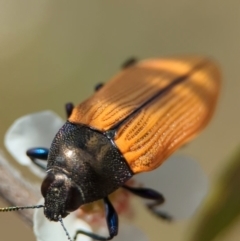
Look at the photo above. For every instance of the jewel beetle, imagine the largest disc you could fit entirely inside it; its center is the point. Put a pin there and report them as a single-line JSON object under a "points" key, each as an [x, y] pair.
{"points": [[130, 125]]}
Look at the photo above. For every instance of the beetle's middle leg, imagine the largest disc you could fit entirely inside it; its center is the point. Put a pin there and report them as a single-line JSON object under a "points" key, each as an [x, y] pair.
{"points": [[112, 223], [151, 194], [129, 62]]}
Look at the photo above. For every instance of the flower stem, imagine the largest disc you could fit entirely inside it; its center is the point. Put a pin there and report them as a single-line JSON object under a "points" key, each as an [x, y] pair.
{"points": [[16, 191]]}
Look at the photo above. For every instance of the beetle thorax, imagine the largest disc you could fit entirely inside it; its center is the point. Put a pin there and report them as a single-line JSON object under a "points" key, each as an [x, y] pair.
{"points": [[90, 160]]}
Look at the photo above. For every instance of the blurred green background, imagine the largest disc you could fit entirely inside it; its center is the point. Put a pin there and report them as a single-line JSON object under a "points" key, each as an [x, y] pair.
{"points": [[53, 52]]}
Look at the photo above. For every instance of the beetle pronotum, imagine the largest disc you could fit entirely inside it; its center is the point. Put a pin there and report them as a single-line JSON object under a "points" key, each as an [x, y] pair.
{"points": [[130, 125]]}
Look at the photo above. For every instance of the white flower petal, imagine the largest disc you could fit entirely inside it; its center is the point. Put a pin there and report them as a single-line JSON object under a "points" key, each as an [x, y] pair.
{"points": [[129, 232], [126, 232], [46, 230], [182, 182], [34, 130]]}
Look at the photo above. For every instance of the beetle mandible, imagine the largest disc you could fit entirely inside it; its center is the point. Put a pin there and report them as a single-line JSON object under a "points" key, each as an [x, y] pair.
{"points": [[130, 125]]}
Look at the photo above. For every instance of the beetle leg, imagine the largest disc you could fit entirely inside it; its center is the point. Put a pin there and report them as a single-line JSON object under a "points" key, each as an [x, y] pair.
{"points": [[69, 108], [129, 62], [152, 195], [126, 64], [40, 153], [112, 223], [98, 86]]}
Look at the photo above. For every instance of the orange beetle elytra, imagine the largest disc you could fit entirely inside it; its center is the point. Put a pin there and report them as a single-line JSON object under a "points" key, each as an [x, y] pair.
{"points": [[154, 107]]}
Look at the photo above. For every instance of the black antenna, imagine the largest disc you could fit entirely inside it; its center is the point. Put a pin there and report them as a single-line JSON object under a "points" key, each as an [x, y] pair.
{"points": [[61, 221], [17, 208]]}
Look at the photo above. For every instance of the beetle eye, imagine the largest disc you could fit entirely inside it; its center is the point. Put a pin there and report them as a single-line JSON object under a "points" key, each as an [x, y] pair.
{"points": [[74, 199], [46, 183]]}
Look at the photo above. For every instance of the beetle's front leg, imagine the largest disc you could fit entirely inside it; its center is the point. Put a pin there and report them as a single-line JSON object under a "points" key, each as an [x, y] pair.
{"points": [[112, 223], [40, 153], [69, 108], [152, 195]]}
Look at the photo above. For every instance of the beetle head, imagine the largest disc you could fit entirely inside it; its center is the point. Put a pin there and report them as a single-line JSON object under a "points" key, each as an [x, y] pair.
{"points": [[61, 195]]}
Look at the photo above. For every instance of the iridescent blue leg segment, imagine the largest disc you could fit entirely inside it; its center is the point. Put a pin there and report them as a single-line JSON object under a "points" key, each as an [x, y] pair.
{"points": [[39, 153], [151, 194], [112, 223]]}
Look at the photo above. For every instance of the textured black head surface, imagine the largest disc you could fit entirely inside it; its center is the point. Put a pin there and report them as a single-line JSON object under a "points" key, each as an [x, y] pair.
{"points": [[89, 159]]}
